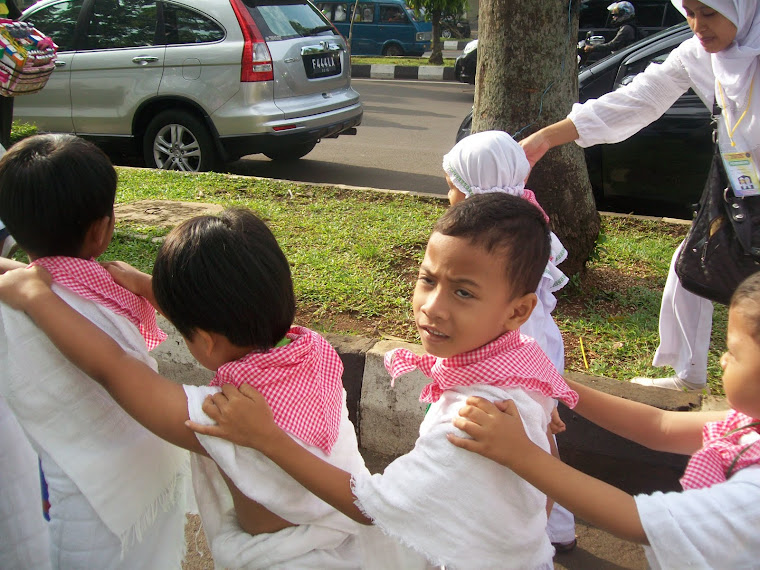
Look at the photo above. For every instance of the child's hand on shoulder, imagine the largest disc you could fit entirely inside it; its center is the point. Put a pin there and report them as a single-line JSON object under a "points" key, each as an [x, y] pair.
{"points": [[242, 417], [556, 425], [496, 430], [129, 277], [20, 288]]}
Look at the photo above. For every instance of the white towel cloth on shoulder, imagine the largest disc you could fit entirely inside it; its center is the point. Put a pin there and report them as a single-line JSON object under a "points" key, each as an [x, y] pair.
{"points": [[421, 497], [325, 538], [126, 473]]}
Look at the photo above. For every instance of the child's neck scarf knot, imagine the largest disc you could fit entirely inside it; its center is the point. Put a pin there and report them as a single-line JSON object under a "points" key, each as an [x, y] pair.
{"points": [[510, 360]]}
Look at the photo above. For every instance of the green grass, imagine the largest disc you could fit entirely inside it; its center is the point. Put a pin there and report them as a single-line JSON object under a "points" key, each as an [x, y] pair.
{"points": [[405, 61], [619, 302], [354, 258]]}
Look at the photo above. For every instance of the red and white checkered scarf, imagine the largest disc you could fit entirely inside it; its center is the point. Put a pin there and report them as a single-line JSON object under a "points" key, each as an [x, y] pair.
{"points": [[88, 279], [510, 360], [728, 446], [300, 381]]}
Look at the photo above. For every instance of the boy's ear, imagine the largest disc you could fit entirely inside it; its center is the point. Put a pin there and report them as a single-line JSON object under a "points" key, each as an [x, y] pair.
{"points": [[207, 341], [98, 235], [520, 310]]}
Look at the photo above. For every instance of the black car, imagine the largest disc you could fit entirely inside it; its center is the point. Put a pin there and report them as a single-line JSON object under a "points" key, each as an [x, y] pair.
{"points": [[455, 27], [594, 20], [665, 162]]}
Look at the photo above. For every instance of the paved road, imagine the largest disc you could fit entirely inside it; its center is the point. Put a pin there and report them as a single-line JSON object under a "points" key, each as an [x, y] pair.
{"points": [[407, 128]]}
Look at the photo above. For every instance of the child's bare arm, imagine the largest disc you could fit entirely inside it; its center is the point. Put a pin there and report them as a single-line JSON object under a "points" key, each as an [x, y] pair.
{"points": [[674, 432], [9, 265], [244, 418], [154, 401], [132, 279], [498, 434]]}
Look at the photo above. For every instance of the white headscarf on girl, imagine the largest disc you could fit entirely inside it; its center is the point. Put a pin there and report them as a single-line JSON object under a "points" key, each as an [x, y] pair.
{"points": [[735, 66], [490, 161]]}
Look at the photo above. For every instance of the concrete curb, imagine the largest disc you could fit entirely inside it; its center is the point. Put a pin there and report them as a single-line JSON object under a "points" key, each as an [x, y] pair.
{"points": [[387, 419], [387, 71]]}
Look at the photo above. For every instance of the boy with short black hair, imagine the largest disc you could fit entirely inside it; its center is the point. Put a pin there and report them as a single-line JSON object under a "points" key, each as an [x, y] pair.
{"points": [[475, 288], [116, 490]]}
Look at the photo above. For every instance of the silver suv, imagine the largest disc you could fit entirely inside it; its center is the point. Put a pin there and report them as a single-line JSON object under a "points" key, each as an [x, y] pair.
{"points": [[192, 83]]}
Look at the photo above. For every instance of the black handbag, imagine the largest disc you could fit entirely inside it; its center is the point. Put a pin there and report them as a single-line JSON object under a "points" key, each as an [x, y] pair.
{"points": [[722, 247]]}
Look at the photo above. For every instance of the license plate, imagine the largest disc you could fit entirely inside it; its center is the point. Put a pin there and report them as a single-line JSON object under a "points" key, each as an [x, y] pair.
{"points": [[322, 65]]}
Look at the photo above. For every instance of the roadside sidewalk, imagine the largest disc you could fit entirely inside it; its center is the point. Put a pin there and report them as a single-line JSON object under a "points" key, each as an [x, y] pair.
{"points": [[418, 72]]}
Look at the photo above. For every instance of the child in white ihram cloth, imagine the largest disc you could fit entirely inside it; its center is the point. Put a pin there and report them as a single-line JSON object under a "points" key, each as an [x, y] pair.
{"points": [[492, 161], [475, 289], [117, 492]]}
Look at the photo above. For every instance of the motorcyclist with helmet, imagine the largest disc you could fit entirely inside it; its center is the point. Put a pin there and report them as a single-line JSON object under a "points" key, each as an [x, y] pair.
{"points": [[623, 16]]}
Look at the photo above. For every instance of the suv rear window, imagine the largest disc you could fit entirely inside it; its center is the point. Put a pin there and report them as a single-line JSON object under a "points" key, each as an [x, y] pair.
{"points": [[278, 20]]}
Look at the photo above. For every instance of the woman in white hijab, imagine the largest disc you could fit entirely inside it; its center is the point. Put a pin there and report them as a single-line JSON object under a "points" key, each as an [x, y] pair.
{"points": [[721, 64]]}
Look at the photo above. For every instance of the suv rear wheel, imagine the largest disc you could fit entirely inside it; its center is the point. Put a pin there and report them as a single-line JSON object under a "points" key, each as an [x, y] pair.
{"points": [[293, 152], [176, 140]]}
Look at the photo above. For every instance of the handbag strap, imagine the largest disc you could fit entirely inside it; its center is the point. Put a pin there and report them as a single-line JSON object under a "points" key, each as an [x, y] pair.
{"points": [[736, 207]]}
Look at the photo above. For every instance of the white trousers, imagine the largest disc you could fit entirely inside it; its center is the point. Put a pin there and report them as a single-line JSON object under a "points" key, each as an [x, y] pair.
{"points": [[24, 542], [685, 325]]}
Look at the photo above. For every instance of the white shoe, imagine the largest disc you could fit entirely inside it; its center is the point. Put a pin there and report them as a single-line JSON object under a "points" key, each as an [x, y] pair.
{"points": [[669, 382], [8, 247]]}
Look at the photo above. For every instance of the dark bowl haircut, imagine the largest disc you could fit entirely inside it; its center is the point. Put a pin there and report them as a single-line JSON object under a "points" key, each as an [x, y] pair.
{"points": [[52, 189], [505, 224], [225, 274]]}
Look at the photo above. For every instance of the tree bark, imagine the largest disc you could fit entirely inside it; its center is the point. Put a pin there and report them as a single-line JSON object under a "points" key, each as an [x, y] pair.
{"points": [[527, 78], [436, 50]]}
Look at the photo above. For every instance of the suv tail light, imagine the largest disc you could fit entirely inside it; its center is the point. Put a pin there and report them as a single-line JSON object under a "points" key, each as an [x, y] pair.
{"points": [[257, 61]]}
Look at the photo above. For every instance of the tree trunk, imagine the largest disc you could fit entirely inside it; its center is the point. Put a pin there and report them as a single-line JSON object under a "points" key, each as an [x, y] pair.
{"points": [[436, 53], [527, 78]]}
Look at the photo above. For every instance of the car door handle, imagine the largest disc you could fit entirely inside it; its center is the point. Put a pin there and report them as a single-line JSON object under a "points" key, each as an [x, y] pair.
{"points": [[144, 59], [59, 63]]}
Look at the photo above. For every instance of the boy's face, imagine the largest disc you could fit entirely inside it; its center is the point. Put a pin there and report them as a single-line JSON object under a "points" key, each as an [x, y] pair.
{"points": [[741, 363], [462, 299]]}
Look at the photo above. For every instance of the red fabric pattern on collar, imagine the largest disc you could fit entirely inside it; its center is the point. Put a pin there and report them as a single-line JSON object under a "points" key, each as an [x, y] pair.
{"points": [[88, 279], [510, 360], [301, 382], [723, 452]]}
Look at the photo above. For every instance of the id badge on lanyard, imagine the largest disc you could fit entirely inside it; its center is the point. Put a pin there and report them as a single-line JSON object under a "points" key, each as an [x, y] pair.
{"points": [[741, 171], [740, 165]]}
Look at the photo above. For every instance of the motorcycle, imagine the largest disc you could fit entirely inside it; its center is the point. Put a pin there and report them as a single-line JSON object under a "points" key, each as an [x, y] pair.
{"points": [[589, 40]]}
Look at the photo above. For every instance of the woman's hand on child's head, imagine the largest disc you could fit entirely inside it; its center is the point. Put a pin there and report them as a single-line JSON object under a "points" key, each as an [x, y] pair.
{"points": [[20, 287], [242, 417], [128, 277], [496, 429], [535, 148], [556, 425]]}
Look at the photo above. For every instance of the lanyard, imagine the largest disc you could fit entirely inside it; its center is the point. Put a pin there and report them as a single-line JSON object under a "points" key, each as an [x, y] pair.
{"points": [[744, 114]]}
